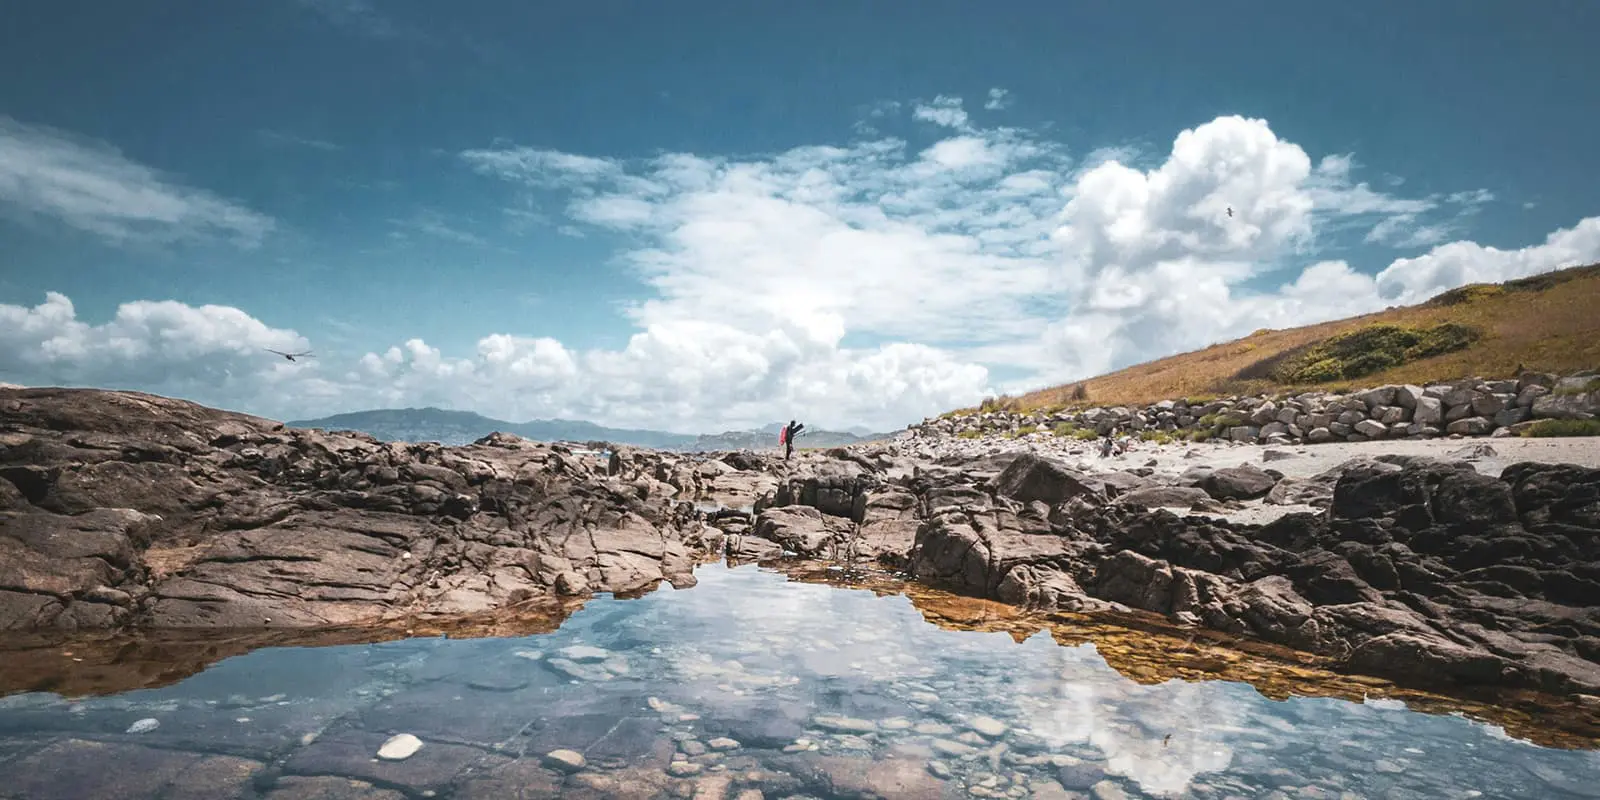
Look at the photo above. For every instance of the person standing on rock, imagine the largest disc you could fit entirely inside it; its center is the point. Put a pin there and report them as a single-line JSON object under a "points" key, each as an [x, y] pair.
{"points": [[786, 438]]}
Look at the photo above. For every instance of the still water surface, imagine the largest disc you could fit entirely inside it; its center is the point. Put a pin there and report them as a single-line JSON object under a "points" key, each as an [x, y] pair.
{"points": [[748, 685]]}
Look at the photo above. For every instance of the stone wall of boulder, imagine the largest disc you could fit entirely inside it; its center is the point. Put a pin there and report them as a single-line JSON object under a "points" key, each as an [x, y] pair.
{"points": [[1468, 407]]}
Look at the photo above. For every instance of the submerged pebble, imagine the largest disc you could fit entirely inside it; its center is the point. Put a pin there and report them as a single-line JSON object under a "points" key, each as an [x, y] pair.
{"points": [[565, 760], [400, 747], [145, 725]]}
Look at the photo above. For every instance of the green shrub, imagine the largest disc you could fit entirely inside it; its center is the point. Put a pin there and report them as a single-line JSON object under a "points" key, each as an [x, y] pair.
{"points": [[1371, 349], [970, 434], [1025, 430], [1563, 427]]}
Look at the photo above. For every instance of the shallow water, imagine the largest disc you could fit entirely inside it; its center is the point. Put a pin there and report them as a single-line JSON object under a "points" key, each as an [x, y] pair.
{"points": [[748, 681]]}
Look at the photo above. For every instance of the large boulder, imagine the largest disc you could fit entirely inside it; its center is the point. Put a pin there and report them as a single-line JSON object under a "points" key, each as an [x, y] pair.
{"points": [[1030, 477], [1238, 483]]}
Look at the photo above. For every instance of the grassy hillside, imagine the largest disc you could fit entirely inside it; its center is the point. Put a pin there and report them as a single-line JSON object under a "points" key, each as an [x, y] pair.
{"points": [[1548, 322]]}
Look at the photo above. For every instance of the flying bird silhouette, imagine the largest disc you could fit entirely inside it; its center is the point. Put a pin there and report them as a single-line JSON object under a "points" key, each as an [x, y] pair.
{"points": [[1230, 211], [290, 356]]}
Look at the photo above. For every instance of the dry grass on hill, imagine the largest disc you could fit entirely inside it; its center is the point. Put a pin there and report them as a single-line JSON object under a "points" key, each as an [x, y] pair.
{"points": [[1548, 322]]}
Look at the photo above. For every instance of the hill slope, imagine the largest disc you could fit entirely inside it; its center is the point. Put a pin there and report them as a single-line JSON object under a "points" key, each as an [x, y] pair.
{"points": [[1548, 322]]}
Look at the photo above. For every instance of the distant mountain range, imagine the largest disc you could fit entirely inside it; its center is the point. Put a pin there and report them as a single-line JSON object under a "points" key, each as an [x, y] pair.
{"points": [[465, 427]]}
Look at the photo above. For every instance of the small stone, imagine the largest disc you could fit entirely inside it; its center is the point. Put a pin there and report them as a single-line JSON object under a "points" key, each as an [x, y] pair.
{"points": [[841, 724], [683, 769], [988, 727], [692, 747], [1385, 765], [400, 747], [723, 743], [933, 729], [564, 760], [145, 725], [949, 748], [939, 769]]}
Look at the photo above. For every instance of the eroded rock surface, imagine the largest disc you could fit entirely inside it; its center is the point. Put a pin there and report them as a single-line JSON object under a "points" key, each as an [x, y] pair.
{"points": [[128, 509]]}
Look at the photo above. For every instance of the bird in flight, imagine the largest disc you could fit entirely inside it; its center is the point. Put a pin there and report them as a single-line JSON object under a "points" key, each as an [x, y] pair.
{"points": [[1230, 211], [290, 356]]}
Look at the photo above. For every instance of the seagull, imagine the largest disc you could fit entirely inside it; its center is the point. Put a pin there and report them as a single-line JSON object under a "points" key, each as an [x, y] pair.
{"points": [[1230, 211], [290, 356]]}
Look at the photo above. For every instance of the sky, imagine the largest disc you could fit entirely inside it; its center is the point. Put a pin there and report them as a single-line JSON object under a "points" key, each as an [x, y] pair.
{"points": [[702, 216]]}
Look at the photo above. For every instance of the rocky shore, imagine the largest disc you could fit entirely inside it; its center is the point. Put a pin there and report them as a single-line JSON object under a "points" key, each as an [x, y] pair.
{"points": [[1466, 407], [125, 511]]}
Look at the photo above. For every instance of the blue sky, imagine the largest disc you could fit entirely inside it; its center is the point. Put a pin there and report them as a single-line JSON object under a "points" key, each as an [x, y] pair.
{"points": [[701, 215]]}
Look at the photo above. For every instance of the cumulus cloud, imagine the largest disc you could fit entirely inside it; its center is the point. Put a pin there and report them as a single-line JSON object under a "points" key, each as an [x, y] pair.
{"points": [[998, 99], [90, 186], [870, 282]]}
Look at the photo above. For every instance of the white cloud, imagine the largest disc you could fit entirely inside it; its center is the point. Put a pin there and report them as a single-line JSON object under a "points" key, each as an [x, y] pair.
{"points": [[998, 99], [92, 187], [870, 282], [943, 110]]}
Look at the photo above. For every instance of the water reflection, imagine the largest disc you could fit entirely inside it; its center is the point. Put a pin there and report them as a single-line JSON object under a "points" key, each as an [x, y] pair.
{"points": [[755, 682]]}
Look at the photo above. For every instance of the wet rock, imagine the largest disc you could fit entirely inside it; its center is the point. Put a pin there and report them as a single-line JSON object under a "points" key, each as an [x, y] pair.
{"points": [[988, 727], [842, 724], [145, 725]]}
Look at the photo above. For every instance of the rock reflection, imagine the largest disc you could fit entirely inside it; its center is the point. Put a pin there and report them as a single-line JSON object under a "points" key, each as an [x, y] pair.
{"points": [[752, 681]]}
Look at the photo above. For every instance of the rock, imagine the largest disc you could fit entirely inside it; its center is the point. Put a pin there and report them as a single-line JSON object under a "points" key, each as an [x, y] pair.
{"points": [[188, 515], [1428, 411], [1165, 497], [145, 725], [568, 761], [842, 724], [1238, 483], [399, 747], [988, 727], [1031, 477], [1372, 429], [1470, 426]]}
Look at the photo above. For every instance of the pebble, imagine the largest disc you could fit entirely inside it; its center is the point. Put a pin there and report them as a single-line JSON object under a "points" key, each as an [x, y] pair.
{"points": [[723, 743], [145, 725], [691, 747], [949, 748], [400, 747], [565, 760], [841, 724], [894, 724], [939, 769], [989, 727], [933, 729], [683, 769], [1385, 765]]}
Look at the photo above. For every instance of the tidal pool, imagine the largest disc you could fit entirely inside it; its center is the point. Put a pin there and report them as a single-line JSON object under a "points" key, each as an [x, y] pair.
{"points": [[752, 685]]}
